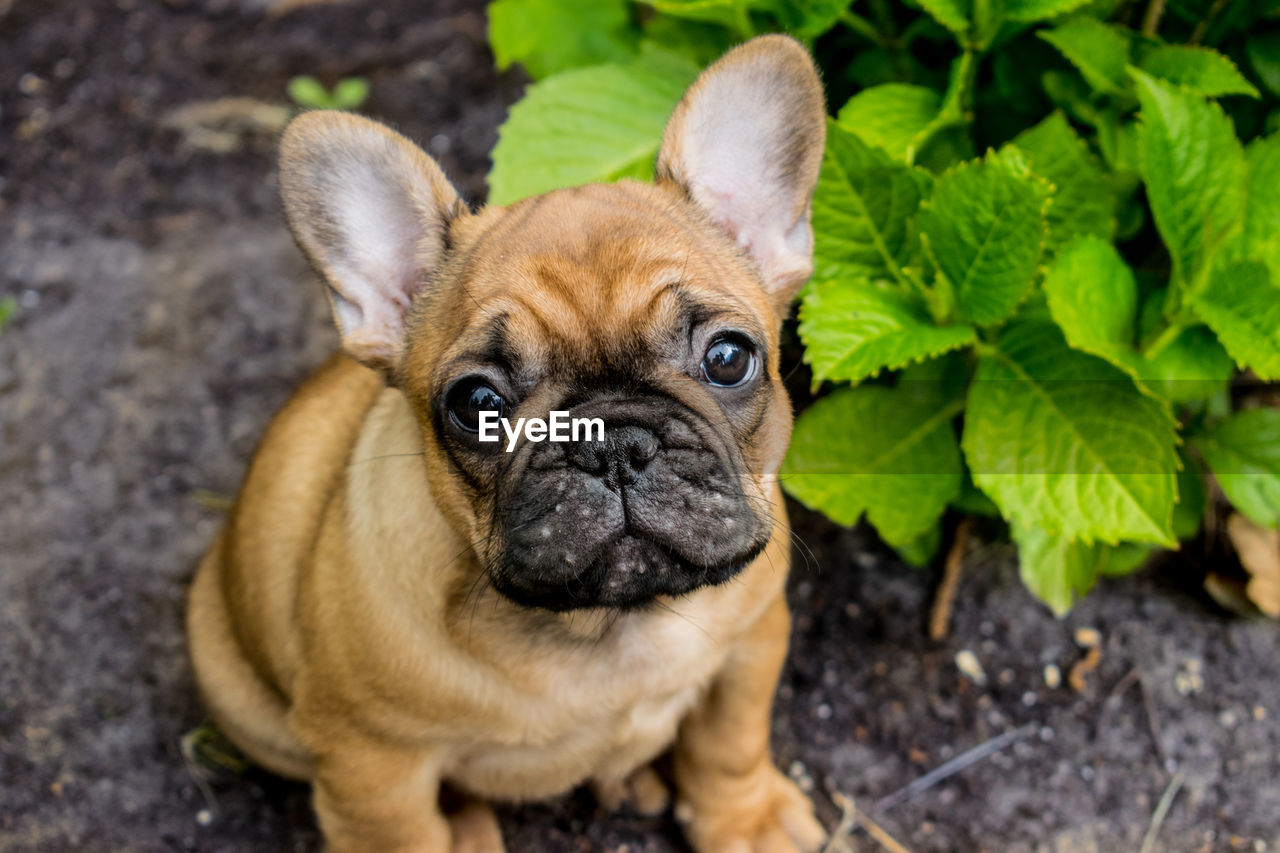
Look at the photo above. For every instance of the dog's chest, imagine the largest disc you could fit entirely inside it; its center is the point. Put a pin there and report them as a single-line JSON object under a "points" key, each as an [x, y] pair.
{"points": [[598, 714]]}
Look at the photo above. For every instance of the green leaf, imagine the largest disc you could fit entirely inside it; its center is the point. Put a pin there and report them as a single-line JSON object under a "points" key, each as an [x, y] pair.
{"points": [[855, 329], [1243, 451], [1199, 69], [1188, 515], [921, 550], [1264, 55], [701, 42], [307, 91], [1260, 237], [1027, 11], [8, 307], [876, 450], [1082, 198], [901, 118], [985, 226], [1193, 367], [862, 207], [1123, 559], [1193, 167], [1064, 442], [952, 14], [590, 124], [893, 116], [1056, 570], [972, 501], [734, 14], [807, 18], [550, 36], [803, 18], [1242, 305], [1098, 51], [350, 93], [1094, 299]]}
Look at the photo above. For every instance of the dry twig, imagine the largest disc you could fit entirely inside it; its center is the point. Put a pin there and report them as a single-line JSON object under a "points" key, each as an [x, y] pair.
{"points": [[940, 616], [1161, 812], [860, 818]]}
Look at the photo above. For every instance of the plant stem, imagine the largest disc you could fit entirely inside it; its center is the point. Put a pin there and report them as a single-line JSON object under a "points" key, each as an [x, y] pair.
{"points": [[1180, 324], [1203, 26], [862, 27], [1151, 20]]}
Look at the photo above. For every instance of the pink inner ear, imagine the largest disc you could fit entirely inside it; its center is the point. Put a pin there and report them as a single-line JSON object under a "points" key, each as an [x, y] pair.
{"points": [[733, 139], [376, 269], [782, 250]]}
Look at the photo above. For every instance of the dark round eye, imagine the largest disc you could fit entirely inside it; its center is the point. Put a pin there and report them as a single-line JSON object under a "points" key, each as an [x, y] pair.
{"points": [[468, 399], [729, 362]]}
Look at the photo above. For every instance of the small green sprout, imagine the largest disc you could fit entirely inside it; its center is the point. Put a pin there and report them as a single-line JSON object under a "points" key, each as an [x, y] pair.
{"points": [[309, 93]]}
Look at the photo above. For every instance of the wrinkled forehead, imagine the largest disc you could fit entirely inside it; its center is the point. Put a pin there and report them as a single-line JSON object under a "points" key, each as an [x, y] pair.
{"points": [[601, 273]]}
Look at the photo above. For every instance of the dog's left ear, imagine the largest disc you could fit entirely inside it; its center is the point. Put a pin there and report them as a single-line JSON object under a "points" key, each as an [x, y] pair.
{"points": [[746, 144]]}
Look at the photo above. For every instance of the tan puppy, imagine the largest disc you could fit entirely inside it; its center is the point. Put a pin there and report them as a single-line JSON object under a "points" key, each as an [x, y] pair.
{"points": [[396, 604]]}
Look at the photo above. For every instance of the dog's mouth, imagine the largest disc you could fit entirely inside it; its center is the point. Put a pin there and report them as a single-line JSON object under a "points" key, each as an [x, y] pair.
{"points": [[630, 572]]}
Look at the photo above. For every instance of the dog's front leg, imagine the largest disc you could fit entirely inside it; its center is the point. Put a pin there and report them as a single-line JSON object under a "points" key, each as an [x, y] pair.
{"points": [[730, 795], [371, 796]]}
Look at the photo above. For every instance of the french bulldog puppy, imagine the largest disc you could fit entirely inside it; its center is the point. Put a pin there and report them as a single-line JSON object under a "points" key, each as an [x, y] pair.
{"points": [[395, 605]]}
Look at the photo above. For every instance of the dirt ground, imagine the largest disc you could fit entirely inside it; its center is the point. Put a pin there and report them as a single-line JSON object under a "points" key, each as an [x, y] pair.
{"points": [[164, 313]]}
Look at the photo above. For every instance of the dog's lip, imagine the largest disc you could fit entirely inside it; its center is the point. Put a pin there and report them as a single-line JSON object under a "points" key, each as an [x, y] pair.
{"points": [[560, 597]]}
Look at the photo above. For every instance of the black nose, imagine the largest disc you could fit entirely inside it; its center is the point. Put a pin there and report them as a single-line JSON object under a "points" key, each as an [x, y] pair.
{"points": [[626, 450]]}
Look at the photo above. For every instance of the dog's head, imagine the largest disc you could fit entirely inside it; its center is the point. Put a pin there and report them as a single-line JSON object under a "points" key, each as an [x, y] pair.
{"points": [[648, 315]]}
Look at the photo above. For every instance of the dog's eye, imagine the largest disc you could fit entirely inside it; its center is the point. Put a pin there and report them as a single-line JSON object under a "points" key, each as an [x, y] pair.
{"points": [[468, 399], [729, 362]]}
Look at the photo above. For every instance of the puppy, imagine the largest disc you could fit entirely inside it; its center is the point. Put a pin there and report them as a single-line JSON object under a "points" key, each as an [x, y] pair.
{"points": [[396, 605]]}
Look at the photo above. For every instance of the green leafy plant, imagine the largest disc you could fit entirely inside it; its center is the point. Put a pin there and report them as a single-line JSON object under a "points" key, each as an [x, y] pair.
{"points": [[349, 93], [8, 307], [1047, 246]]}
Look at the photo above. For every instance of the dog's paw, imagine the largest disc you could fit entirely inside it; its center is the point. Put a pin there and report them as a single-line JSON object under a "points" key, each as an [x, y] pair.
{"points": [[643, 791], [474, 829], [769, 814]]}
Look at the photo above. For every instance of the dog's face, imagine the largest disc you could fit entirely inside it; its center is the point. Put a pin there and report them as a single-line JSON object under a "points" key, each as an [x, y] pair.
{"points": [[648, 315]]}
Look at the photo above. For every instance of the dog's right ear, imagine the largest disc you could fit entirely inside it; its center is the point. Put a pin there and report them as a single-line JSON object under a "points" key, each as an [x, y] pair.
{"points": [[745, 144], [370, 209]]}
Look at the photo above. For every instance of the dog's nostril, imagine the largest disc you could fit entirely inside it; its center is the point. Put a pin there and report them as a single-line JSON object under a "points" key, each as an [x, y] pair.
{"points": [[588, 457], [626, 450], [643, 450]]}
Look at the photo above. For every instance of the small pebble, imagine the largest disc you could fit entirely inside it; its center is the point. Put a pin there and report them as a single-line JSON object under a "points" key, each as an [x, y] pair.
{"points": [[1259, 713], [204, 817], [1187, 680], [1046, 734], [824, 712], [967, 663], [1052, 676], [30, 84], [1029, 698], [1088, 637], [1227, 719]]}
